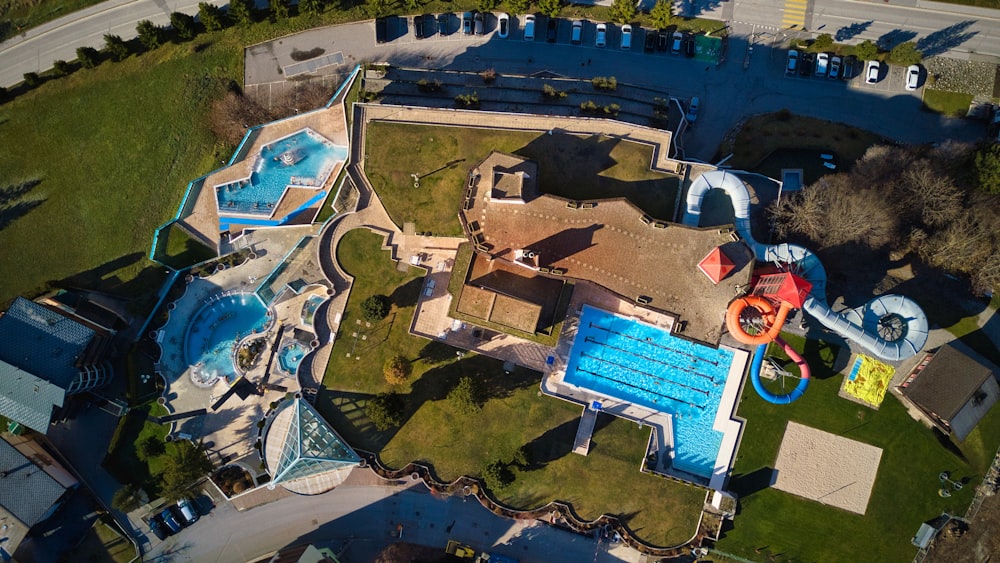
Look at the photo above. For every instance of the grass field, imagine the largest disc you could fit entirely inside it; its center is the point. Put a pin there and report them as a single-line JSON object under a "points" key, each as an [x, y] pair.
{"points": [[659, 511], [905, 492], [569, 166], [125, 463], [952, 104], [102, 543]]}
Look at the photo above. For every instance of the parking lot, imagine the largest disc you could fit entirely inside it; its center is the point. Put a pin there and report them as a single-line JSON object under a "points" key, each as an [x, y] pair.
{"points": [[891, 78]]}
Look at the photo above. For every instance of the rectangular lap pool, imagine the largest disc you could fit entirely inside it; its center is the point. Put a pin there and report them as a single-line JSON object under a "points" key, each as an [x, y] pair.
{"points": [[644, 365]]}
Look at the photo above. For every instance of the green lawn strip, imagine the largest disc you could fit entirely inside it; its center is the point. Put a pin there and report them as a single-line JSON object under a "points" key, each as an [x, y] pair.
{"points": [[905, 491], [665, 512], [763, 134], [102, 543], [181, 249], [952, 104], [124, 461], [570, 166], [22, 15]]}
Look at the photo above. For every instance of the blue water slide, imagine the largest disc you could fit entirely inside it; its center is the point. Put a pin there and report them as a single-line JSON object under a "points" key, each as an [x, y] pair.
{"points": [[890, 327]]}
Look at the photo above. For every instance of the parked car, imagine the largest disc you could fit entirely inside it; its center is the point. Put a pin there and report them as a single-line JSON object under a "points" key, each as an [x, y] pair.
{"points": [[872, 71], [381, 30], [187, 510], [662, 40], [602, 35], [467, 23], [822, 64], [692, 114], [626, 36], [529, 27], [806, 62], [503, 26], [479, 23], [689, 46], [551, 30], [791, 62], [678, 42], [418, 27], [170, 520], [912, 77], [834, 68], [850, 67], [650, 40], [158, 528], [443, 20], [577, 35]]}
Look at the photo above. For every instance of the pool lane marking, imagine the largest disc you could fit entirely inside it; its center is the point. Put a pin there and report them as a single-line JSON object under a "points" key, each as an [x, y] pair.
{"points": [[592, 340], [650, 342], [669, 397], [646, 373]]}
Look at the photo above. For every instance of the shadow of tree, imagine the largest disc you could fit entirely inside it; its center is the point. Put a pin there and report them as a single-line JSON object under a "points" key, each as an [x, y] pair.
{"points": [[12, 203], [892, 38], [406, 295], [852, 31], [556, 443], [435, 352], [141, 288], [945, 39]]}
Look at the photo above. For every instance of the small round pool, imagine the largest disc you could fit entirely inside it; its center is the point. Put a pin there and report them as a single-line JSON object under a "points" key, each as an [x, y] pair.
{"points": [[214, 332], [291, 356]]}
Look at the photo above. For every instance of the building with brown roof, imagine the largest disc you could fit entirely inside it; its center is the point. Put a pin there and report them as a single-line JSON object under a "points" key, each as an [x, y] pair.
{"points": [[610, 242], [951, 390]]}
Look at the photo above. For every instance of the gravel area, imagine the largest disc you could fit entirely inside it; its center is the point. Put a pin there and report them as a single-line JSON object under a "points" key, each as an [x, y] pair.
{"points": [[826, 468], [968, 77]]}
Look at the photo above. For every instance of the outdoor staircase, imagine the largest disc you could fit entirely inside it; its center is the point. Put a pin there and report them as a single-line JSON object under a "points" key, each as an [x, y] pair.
{"points": [[581, 445]]}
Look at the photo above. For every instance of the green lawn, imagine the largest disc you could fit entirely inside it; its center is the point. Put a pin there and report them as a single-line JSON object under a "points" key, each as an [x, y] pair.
{"points": [[660, 511], [21, 15], [569, 166], [952, 104], [103, 543], [905, 491], [125, 462]]}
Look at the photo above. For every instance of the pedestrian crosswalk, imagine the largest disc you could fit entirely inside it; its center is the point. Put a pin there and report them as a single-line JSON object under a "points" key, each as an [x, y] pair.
{"points": [[795, 14]]}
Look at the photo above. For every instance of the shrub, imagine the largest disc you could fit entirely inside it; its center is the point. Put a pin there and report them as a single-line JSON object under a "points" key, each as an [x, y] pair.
{"points": [[823, 42], [622, 11], [62, 67], [602, 83], [151, 447], [487, 5], [497, 476], [549, 8], [183, 26], [212, 17], [517, 7], [464, 398], [988, 169], [31, 79], [150, 34], [385, 411], [127, 498], [115, 47], [488, 75], [588, 106], [278, 9], [866, 50], [468, 100], [905, 54], [241, 11], [397, 370], [88, 57], [661, 14], [375, 308], [313, 7]]}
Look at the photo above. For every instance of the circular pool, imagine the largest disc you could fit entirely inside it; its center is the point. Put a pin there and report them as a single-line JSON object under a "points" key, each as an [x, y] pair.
{"points": [[291, 356], [215, 330]]}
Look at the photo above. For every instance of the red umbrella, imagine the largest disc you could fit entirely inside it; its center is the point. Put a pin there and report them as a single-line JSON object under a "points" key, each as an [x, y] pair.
{"points": [[716, 265]]}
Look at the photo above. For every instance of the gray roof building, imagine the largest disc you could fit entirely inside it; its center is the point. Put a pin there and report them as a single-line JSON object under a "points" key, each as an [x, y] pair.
{"points": [[28, 495], [44, 356]]}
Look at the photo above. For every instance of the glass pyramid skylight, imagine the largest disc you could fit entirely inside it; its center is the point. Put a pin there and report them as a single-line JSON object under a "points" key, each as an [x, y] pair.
{"points": [[310, 446]]}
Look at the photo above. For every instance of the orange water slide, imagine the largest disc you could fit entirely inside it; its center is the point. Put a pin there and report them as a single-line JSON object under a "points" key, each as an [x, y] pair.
{"points": [[773, 320]]}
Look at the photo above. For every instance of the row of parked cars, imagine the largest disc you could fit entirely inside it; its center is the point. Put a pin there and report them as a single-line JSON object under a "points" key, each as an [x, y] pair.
{"points": [[172, 519], [834, 67]]}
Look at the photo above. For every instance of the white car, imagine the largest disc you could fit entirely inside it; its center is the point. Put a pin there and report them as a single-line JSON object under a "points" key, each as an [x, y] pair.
{"points": [[602, 35], [626, 36], [503, 26], [912, 77], [692, 113], [822, 64], [871, 72], [529, 27]]}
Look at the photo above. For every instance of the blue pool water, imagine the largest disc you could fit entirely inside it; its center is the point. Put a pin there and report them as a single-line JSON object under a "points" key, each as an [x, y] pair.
{"points": [[311, 159], [217, 327], [644, 365], [309, 309], [291, 356]]}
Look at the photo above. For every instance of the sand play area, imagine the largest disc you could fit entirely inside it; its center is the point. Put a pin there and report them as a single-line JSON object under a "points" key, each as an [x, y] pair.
{"points": [[826, 468]]}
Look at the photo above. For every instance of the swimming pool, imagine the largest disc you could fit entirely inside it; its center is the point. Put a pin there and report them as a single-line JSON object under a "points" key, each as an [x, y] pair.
{"points": [[303, 159], [644, 365], [214, 331], [291, 356], [309, 309]]}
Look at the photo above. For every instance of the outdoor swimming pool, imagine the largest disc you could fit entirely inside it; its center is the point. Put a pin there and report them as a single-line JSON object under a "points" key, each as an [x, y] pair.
{"points": [[291, 356], [303, 159], [644, 365], [214, 331], [309, 309]]}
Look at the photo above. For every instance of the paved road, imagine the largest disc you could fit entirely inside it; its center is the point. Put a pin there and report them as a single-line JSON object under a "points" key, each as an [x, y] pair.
{"points": [[374, 514], [940, 28]]}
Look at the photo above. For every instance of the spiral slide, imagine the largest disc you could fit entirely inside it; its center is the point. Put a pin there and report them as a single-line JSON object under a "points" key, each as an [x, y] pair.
{"points": [[890, 327], [758, 360]]}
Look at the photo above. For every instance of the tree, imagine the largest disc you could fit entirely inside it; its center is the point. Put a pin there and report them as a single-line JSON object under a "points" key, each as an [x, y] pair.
{"points": [[397, 370], [497, 476], [151, 447], [241, 11], [183, 26], [211, 16], [375, 8], [988, 169], [115, 47], [186, 464], [823, 42], [62, 67], [622, 11], [150, 34], [517, 7], [375, 308], [487, 5], [661, 13], [31, 79], [464, 398], [905, 54], [127, 498], [88, 57], [866, 50], [279, 9], [314, 7], [385, 411], [549, 8]]}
